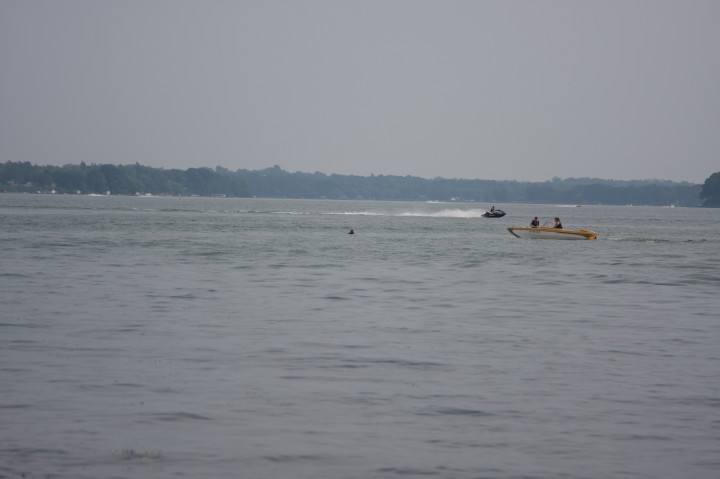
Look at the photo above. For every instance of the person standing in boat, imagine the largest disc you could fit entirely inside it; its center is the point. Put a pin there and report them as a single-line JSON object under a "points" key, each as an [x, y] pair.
{"points": [[535, 223], [557, 223]]}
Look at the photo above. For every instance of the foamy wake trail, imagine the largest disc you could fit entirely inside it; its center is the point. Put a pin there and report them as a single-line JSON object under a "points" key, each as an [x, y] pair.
{"points": [[430, 214], [447, 214], [360, 213]]}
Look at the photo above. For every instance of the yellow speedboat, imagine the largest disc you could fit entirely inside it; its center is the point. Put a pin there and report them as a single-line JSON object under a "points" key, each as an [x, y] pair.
{"points": [[551, 233]]}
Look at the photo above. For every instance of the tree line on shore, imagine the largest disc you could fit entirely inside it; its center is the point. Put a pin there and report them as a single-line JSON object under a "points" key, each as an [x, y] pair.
{"points": [[136, 179]]}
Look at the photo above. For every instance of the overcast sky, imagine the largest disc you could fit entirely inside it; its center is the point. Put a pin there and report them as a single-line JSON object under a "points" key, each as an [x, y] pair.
{"points": [[506, 90]]}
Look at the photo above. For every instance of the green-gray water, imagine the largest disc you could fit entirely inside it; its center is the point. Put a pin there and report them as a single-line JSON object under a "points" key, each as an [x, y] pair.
{"points": [[215, 338]]}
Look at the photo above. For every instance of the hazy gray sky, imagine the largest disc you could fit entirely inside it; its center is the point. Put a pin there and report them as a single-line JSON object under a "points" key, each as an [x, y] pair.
{"points": [[505, 89]]}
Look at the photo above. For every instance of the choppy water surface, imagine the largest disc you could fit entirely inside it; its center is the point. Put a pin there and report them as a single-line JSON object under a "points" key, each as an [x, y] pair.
{"points": [[216, 338]]}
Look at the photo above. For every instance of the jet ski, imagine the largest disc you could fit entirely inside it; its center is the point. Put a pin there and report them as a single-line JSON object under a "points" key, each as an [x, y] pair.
{"points": [[494, 214]]}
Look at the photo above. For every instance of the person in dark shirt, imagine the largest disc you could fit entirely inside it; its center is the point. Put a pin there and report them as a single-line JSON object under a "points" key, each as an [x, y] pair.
{"points": [[535, 222], [558, 224]]}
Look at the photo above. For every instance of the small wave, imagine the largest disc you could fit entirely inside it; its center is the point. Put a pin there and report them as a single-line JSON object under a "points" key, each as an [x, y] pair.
{"points": [[451, 411], [645, 437], [335, 298], [128, 454], [181, 296], [320, 265], [294, 458], [180, 416], [641, 240], [18, 325], [27, 452], [404, 471], [707, 401], [406, 363], [629, 353]]}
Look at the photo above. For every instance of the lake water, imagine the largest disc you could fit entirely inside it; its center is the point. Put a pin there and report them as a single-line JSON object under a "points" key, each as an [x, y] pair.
{"points": [[255, 338]]}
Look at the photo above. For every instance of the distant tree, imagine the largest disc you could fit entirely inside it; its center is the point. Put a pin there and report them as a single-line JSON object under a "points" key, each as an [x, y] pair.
{"points": [[69, 179], [711, 191], [95, 180], [277, 183], [541, 193], [121, 180], [18, 173]]}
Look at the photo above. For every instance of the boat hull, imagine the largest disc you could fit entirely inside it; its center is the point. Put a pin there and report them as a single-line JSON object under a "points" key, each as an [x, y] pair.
{"points": [[551, 233]]}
